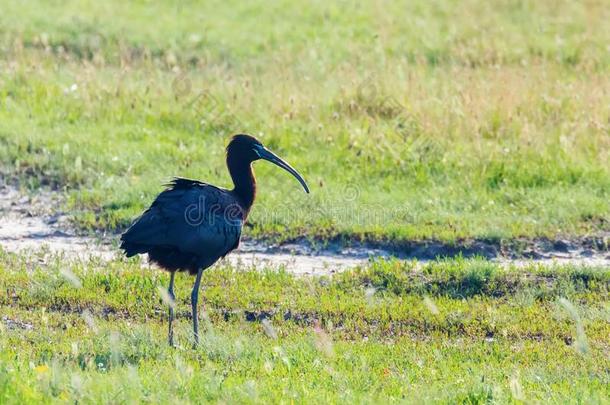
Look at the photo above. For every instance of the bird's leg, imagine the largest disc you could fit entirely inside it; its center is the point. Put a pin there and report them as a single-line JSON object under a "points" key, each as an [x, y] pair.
{"points": [[170, 292], [194, 299]]}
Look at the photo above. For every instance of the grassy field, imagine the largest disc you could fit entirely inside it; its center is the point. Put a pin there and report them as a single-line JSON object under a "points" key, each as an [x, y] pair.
{"points": [[444, 120], [453, 332]]}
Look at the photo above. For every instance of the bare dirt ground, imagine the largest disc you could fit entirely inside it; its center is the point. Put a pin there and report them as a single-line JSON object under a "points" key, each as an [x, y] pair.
{"points": [[34, 223]]}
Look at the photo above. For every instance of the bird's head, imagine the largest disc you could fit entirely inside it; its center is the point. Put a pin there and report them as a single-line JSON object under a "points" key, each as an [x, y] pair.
{"points": [[248, 148]]}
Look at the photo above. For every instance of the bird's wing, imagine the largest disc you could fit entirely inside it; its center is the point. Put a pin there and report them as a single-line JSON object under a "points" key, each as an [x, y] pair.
{"points": [[191, 216]]}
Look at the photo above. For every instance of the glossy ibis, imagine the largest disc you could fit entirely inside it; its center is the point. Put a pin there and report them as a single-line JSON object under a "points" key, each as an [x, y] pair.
{"points": [[192, 224]]}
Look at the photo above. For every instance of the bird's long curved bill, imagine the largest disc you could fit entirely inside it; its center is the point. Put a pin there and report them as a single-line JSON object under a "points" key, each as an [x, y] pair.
{"points": [[273, 158]]}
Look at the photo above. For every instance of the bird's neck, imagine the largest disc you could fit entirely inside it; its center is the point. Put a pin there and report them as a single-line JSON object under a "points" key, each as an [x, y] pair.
{"points": [[243, 180]]}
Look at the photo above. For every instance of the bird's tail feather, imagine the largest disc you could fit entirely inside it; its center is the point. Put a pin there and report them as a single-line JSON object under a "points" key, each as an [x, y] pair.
{"points": [[132, 249]]}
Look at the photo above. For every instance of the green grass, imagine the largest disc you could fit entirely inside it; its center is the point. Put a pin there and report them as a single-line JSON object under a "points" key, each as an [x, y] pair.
{"points": [[463, 331], [441, 120]]}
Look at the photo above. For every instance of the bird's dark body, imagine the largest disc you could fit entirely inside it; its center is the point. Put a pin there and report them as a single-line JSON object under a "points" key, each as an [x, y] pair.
{"points": [[189, 226]]}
